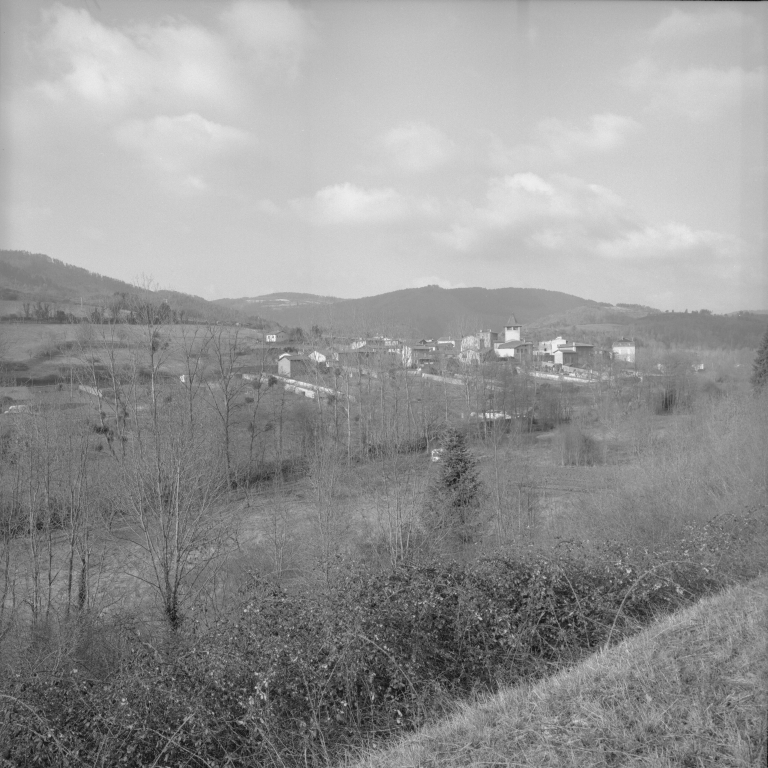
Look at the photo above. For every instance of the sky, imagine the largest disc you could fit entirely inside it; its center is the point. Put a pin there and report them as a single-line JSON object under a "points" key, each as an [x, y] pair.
{"points": [[612, 150]]}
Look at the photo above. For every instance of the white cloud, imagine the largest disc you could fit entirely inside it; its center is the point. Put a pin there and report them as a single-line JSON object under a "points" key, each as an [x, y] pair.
{"points": [[584, 238], [569, 216], [704, 93], [606, 132], [671, 239], [699, 93], [179, 146], [417, 147], [557, 141], [273, 33], [350, 204], [175, 64], [168, 64], [680, 24], [529, 209]]}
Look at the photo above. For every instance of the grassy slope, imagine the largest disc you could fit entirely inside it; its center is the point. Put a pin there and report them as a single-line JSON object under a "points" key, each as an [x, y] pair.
{"points": [[691, 690]]}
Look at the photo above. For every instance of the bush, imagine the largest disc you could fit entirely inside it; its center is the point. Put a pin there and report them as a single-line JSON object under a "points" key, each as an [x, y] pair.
{"points": [[295, 679], [578, 449]]}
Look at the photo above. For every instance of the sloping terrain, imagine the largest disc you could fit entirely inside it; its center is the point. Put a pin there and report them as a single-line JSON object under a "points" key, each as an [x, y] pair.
{"points": [[430, 311], [690, 690], [34, 277], [702, 329], [276, 301]]}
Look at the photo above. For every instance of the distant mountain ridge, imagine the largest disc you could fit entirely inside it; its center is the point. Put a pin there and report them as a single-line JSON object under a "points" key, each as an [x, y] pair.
{"points": [[409, 313], [429, 311]]}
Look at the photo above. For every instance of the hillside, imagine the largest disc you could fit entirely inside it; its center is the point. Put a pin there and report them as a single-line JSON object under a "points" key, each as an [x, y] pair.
{"points": [[35, 277], [429, 311], [702, 329], [691, 330], [691, 689], [276, 301]]}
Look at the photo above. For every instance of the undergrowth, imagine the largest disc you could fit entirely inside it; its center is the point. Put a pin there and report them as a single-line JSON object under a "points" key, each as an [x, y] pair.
{"points": [[297, 678]]}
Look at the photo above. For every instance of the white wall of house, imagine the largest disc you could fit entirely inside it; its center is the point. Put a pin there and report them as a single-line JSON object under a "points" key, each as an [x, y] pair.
{"points": [[564, 356], [553, 344], [624, 352]]}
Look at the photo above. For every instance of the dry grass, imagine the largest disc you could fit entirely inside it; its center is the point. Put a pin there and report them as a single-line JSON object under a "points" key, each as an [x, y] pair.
{"points": [[691, 690]]}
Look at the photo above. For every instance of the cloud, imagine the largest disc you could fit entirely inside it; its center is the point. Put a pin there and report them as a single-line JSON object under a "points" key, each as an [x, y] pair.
{"points": [[680, 24], [417, 147], [605, 133], [584, 238], [698, 93], [273, 34], [350, 204], [704, 93], [179, 145], [570, 216], [176, 64], [651, 242], [170, 64], [557, 141], [529, 209]]}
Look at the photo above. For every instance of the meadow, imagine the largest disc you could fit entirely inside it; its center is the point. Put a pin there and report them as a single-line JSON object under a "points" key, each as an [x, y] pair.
{"points": [[200, 567]]}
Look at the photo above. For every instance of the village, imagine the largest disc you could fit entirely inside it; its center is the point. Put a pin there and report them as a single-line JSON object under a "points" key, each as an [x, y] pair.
{"points": [[443, 359]]}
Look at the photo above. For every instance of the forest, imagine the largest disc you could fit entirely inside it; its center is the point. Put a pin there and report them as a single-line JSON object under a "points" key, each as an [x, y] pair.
{"points": [[201, 567]]}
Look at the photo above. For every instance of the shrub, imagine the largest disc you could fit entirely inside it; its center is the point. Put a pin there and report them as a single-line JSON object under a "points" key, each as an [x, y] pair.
{"points": [[294, 679], [454, 496], [577, 448]]}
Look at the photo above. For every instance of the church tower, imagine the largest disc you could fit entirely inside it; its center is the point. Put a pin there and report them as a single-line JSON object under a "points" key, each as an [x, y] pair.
{"points": [[512, 330]]}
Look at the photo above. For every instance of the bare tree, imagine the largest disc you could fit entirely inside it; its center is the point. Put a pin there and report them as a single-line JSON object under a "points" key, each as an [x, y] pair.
{"points": [[194, 345], [225, 389], [175, 498]]}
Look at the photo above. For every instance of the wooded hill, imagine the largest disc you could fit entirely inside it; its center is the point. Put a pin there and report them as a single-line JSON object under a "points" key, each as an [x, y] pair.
{"points": [[35, 277], [691, 330], [429, 311], [703, 329]]}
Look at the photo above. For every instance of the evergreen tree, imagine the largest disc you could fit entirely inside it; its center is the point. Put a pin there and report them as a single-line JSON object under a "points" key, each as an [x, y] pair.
{"points": [[455, 495], [760, 366]]}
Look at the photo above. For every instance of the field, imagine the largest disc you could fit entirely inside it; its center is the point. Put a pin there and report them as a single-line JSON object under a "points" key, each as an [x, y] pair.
{"points": [[162, 489]]}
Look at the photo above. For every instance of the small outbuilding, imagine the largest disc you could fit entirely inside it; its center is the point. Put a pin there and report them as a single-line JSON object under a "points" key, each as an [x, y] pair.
{"points": [[293, 366]]}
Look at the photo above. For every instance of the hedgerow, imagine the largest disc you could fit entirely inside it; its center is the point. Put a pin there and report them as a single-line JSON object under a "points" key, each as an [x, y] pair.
{"points": [[296, 678]]}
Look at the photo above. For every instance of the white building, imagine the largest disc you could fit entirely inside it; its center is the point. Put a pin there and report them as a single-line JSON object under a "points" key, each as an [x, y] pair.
{"points": [[512, 330], [624, 350]]}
